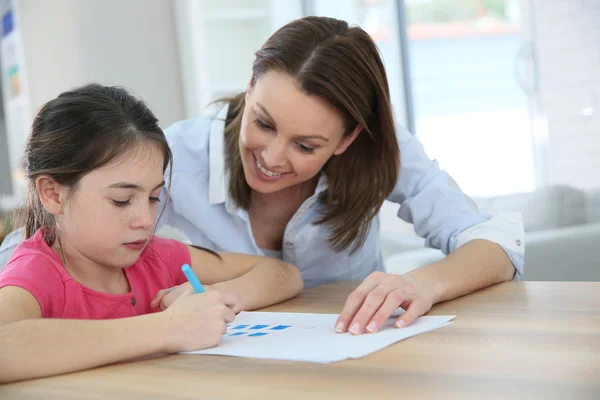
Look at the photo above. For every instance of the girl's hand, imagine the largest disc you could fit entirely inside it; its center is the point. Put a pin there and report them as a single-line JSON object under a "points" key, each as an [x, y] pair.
{"points": [[165, 297], [377, 297], [197, 321]]}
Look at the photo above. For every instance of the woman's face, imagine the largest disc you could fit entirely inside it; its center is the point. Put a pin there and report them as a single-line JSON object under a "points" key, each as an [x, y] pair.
{"points": [[287, 136]]}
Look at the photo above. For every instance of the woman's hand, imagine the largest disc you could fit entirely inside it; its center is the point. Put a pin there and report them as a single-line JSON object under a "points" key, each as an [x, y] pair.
{"points": [[370, 305]]}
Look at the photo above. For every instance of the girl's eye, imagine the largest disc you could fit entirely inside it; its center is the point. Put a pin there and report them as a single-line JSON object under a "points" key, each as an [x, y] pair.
{"points": [[121, 203], [262, 125], [154, 200], [305, 149]]}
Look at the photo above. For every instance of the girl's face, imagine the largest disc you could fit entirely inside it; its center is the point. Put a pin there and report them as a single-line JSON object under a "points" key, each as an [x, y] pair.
{"points": [[110, 216], [287, 136]]}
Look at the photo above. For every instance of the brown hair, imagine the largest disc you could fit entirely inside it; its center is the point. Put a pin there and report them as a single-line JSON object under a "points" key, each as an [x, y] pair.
{"points": [[77, 132], [341, 65]]}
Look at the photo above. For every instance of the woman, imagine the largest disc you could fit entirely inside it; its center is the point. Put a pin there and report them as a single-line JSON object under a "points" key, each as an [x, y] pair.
{"points": [[298, 166]]}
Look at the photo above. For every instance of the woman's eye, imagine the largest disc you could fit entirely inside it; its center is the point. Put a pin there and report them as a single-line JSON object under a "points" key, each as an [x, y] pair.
{"points": [[262, 125], [305, 149]]}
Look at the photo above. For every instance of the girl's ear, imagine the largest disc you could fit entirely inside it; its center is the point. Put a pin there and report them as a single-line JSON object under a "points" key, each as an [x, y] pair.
{"points": [[347, 141], [52, 194]]}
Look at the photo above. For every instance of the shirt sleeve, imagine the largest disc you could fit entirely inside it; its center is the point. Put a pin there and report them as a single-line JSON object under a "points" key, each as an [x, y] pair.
{"points": [[164, 213], [188, 141], [38, 276], [173, 254], [442, 214], [9, 244]]}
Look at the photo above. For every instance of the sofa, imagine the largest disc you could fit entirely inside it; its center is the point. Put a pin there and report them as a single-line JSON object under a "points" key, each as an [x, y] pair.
{"points": [[562, 234]]}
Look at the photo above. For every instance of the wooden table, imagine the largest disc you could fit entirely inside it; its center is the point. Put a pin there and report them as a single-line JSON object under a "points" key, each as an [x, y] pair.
{"points": [[515, 340]]}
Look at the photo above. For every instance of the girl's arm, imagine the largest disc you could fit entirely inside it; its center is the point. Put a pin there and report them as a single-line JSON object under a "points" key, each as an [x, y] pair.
{"points": [[257, 281], [32, 347]]}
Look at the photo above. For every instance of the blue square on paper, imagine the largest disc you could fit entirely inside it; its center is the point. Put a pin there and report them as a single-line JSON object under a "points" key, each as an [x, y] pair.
{"points": [[279, 327], [259, 334], [258, 326]]}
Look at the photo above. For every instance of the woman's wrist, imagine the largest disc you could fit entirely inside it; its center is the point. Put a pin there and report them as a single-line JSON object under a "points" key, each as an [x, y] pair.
{"points": [[430, 282]]}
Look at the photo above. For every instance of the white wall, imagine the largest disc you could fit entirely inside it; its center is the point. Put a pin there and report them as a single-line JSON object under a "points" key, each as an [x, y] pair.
{"points": [[129, 43], [567, 35]]}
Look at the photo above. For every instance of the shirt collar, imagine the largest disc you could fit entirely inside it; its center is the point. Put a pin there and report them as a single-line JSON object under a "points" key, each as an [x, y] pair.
{"points": [[322, 184]]}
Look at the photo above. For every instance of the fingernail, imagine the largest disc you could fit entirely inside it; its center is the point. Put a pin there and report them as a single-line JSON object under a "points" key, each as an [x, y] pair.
{"points": [[339, 328], [372, 326], [355, 328], [400, 324]]}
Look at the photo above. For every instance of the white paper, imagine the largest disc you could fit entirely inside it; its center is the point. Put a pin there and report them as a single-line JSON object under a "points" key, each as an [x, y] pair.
{"points": [[309, 337]]}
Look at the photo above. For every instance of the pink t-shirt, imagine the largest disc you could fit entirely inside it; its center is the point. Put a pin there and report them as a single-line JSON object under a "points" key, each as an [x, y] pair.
{"points": [[35, 267]]}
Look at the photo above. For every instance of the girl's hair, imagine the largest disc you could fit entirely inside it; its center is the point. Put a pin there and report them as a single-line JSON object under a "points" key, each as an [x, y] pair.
{"points": [[341, 65], [81, 130]]}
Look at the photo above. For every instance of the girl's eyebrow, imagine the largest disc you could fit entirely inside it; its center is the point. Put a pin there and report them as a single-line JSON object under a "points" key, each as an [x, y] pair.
{"points": [[128, 185]]}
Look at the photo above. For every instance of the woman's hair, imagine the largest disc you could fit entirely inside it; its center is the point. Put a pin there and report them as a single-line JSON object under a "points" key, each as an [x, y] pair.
{"points": [[79, 131], [341, 65]]}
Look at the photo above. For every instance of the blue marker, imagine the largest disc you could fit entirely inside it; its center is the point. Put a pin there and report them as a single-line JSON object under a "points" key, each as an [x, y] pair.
{"points": [[192, 279]]}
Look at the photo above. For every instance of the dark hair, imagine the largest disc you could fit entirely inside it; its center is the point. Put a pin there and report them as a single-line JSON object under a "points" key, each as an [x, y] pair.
{"points": [[79, 131], [341, 65]]}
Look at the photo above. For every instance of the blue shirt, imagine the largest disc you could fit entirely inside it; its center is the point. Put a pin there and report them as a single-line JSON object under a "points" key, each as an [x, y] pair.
{"points": [[201, 209]]}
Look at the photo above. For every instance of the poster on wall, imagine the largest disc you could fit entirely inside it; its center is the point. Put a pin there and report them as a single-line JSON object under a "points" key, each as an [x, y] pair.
{"points": [[12, 69], [15, 101], [10, 57]]}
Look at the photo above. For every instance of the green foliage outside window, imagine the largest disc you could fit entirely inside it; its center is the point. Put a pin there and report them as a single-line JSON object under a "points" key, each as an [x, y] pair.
{"points": [[442, 11]]}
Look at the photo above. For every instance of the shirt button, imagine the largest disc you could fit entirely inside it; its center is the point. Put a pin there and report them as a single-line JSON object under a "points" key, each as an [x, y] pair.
{"points": [[289, 244], [518, 242], [133, 301]]}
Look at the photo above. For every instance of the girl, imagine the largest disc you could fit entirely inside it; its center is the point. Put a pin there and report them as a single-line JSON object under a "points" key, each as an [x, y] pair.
{"points": [[79, 291]]}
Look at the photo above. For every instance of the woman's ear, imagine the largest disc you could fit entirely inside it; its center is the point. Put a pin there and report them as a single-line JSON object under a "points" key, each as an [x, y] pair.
{"points": [[347, 141], [52, 194]]}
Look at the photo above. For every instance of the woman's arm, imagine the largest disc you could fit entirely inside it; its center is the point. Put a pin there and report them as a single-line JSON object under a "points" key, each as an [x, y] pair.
{"points": [[266, 281], [475, 265], [257, 281], [442, 214], [481, 250], [32, 347]]}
